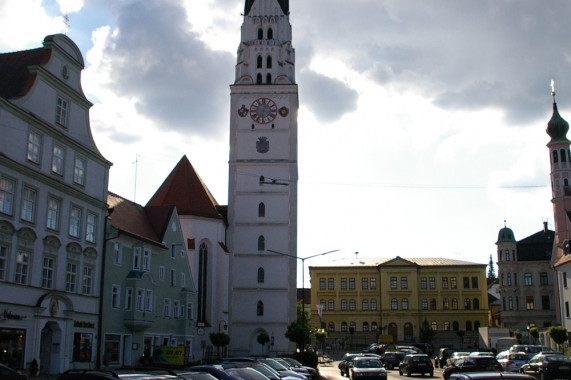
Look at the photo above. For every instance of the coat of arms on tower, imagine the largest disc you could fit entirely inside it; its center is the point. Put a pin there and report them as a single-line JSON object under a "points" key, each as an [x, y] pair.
{"points": [[283, 111], [262, 145], [243, 111]]}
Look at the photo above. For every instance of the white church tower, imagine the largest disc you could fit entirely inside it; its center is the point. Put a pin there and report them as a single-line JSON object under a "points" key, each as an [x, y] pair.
{"points": [[262, 199]]}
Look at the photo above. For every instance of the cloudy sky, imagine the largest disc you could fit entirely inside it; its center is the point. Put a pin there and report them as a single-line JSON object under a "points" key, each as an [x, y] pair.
{"points": [[421, 122]]}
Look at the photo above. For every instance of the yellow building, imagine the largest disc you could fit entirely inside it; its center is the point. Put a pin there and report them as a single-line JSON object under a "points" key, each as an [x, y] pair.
{"points": [[400, 300]]}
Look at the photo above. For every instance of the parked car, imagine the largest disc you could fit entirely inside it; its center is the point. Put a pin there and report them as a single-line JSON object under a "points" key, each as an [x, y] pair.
{"points": [[490, 376], [347, 362], [548, 366], [416, 363], [473, 364], [512, 361], [294, 363], [367, 367], [529, 348], [81, 374], [455, 356], [215, 370], [194, 375], [443, 355], [391, 359], [7, 373], [245, 373]]}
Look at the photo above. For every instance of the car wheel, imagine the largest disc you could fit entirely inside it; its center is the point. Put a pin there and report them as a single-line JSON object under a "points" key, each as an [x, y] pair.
{"points": [[543, 376], [431, 373]]}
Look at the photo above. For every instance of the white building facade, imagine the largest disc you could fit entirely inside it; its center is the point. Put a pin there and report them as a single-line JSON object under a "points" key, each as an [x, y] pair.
{"points": [[263, 173]]}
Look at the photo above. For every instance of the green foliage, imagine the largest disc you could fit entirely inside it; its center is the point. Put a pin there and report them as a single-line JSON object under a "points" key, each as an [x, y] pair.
{"points": [[219, 339], [534, 333], [298, 332], [491, 270], [426, 333], [558, 334], [308, 358], [320, 335], [517, 334], [263, 338]]}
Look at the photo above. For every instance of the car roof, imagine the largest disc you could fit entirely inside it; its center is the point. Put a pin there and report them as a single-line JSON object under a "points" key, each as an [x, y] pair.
{"points": [[490, 375]]}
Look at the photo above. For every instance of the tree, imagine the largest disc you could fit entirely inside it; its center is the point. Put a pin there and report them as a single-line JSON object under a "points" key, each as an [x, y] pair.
{"points": [[534, 333], [517, 334], [558, 334], [491, 271], [263, 338], [320, 336], [219, 339], [298, 331]]}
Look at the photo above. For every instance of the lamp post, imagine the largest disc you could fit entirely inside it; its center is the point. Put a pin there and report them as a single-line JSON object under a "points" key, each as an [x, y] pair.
{"points": [[302, 274]]}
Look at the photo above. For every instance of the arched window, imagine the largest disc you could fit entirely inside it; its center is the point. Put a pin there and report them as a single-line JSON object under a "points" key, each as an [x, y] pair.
{"points": [[259, 79], [331, 326], [261, 275], [261, 210], [563, 155], [455, 326], [365, 326], [555, 157], [476, 304], [454, 304], [353, 325], [467, 304], [259, 62], [394, 304], [468, 326], [269, 62], [374, 326], [261, 243], [446, 326], [268, 78], [343, 326], [260, 308], [270, 34], [404, 304], [260, 34], [434, 325], [331, 305], [262, 178]]}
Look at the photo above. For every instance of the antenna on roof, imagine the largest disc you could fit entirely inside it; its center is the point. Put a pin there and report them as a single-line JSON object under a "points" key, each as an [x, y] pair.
{"points": [[136, 162], [66, 23], [356, 254]]}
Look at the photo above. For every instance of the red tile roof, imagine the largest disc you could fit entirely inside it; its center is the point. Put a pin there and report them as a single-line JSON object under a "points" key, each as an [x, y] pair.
{"points": [[184, 189], [15, 78]]}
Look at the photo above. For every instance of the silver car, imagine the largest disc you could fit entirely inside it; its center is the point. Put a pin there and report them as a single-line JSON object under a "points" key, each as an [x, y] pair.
{"points": [[512, 361]]}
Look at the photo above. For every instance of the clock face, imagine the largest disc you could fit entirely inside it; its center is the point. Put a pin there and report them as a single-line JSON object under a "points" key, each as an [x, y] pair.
{"points": [[263, 110]]}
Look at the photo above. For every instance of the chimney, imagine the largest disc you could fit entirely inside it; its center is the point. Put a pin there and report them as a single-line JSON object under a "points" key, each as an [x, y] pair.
{"points": [[545, 227]]}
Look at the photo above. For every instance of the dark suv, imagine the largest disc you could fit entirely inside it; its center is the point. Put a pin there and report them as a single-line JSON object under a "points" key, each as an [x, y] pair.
{"points": [[443, 355], [416, 363], [473, 364], [391, 359]]}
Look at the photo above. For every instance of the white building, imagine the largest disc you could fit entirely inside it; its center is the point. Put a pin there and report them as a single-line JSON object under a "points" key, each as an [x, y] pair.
{"points": [[53, 193], [262, 199]]}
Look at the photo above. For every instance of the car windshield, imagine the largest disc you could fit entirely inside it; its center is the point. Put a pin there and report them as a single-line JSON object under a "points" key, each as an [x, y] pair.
{"points": [[486, 361], [420, 359], [556, 358], [368, 363]]}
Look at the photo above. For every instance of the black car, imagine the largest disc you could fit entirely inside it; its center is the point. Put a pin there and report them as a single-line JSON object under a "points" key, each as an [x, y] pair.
{"points": [[391, 359], [490, 376], [347, 362], [7, 373], [548, 366], [88, 374], [473, 364], [416, 363], [442, 356]]}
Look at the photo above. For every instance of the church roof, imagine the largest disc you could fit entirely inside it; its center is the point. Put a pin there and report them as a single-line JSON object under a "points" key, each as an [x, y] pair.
{"points": [[15, 78], [185, 189], [284, 4], [557, 127]]}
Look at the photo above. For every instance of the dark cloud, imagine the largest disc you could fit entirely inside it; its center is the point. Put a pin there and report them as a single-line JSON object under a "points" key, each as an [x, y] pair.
{"points": [[328, 99], [177, 80]]}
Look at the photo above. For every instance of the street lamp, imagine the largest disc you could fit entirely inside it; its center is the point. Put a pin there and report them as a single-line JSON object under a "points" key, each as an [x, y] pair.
{"points": [[302, 274]]}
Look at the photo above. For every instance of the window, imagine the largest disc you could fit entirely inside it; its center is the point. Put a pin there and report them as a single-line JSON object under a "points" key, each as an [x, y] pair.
{"points": [[365, 283], [28, 211], [502, 279], [529, 304], [564, 275], [510, 303], [453, 284], [343, 284], [509, 279], [468, 326], [474, 282], [79, 171], [404, 304], [516, 302], [261, 210], [115, 297], [149, 299], [507, 255], [476, 304], [48, 273], [404, 282], [352, 325], [22, 267], [394, 304], [75, 221], [162, 273], [467, 304], [424, 304], [373, 304], [331, 326], [259, 62], [260, 308], [365, 305], [58, 159], [515, 279], [322, 304], [268, 78], [567, 309], [270, 34], [34, 147], [269, 62], [137, 258], [117, 254], [189, 311], [543, 279], [322, 284], [261, 243], [527, 279], [173, 277], [53, 214], [82, 347], [445, 304], [61, 111], [7, 188], [352, 305], [167, 307], [330, 305], [454, 304], [330, 283], [176, 309], [545, 304], [87, 280], [432, 282], [434, 325], [91, 227], [260, 34], [393, 282], [373, 282], [444, 282], [71, 278], [3, 254], [129, 298], [447, 326], [351, 283], [343, 304], [146, 259], [466, 281], [343, 326], [423, 283], [432, 304], [365, 326]]}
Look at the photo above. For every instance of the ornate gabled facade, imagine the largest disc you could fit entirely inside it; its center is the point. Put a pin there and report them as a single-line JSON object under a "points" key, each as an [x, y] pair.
{"points": [[53, 203], [262, 195]]}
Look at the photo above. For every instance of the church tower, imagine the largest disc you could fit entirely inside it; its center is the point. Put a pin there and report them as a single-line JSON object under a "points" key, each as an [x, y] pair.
{"points": [[262, 195]]}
